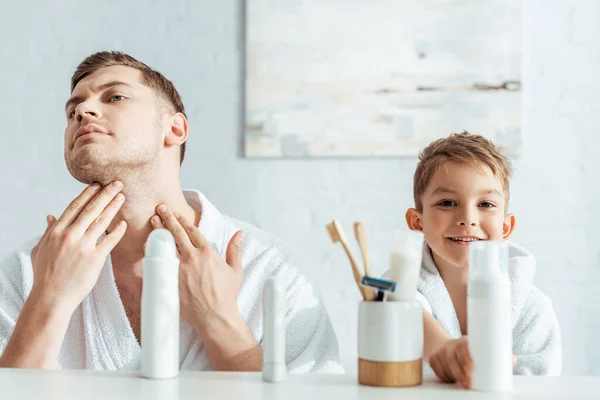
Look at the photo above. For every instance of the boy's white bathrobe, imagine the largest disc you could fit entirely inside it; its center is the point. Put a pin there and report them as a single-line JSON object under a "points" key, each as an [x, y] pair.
{"points": [[99, 335], [536, 333]]}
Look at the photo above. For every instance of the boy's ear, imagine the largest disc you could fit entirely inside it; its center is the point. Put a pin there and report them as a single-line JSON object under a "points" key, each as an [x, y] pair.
{"points": [[178, 133], [508, 226], [413, 219]]}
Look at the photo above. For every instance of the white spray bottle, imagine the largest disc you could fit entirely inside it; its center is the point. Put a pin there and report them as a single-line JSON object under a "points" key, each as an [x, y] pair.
{"points": [[160, 307], [489, 317], [273, 302]]}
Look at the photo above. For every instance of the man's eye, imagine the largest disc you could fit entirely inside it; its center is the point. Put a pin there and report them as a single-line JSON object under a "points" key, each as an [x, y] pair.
{"points": [[447, 203], [486, 204], [71, 114], [117, 97]]}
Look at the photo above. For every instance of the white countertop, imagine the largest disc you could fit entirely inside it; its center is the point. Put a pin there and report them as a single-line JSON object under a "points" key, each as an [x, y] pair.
{"points": [[82, 384]]}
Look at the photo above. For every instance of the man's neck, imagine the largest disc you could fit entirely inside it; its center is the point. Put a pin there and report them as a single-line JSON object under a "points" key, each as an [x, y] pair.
{"points": [[140, 205]]}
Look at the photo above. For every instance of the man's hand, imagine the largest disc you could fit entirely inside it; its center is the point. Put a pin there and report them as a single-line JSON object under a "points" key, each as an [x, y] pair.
{"points": [[208, 286], [452, 362], [66, 264], [208, 290], [68, 259]]}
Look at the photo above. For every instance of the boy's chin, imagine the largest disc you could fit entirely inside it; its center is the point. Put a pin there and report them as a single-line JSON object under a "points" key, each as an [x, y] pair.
{"points": [[459, 259]]}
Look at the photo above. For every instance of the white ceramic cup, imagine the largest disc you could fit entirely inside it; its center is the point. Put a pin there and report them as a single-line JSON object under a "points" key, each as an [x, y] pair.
{"points": [[390, 331]]}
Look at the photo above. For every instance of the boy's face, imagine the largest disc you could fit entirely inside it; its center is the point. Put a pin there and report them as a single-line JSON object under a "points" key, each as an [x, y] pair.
{"points": [[461, 204]]}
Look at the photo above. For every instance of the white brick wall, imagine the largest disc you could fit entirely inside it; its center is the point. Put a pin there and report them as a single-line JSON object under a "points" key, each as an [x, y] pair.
{"points": [[555, 190]]}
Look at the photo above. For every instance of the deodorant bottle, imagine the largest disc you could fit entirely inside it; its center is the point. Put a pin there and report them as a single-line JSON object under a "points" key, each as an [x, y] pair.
{"points": [[489, 329], [160, 307], [273, 304]]}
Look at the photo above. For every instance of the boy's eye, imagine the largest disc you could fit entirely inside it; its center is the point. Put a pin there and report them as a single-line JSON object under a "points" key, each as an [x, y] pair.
{"points": [[447, 203], [117, 97], [71, 114], [486, 204]]}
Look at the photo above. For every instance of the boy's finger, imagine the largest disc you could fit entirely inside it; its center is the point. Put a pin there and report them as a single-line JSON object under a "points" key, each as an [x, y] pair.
{"points": [[438, 368], [456, 371], [464, 358], [444, 361]]}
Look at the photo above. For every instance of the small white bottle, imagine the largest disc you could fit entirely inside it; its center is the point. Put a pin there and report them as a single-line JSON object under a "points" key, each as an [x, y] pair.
{"points": [[273, 304], [489, 329], [160, 307], [405, 265]]}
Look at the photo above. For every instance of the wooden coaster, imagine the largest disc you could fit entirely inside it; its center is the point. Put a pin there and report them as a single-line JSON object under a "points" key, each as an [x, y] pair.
{"points": [[390, 374]]}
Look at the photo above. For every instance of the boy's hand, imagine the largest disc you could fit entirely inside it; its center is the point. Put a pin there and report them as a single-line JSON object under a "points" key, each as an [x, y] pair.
{"points": [[452, 362]]}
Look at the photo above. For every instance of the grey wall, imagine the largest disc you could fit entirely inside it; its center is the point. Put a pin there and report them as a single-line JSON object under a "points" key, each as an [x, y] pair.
{"points": [[198, 45]]}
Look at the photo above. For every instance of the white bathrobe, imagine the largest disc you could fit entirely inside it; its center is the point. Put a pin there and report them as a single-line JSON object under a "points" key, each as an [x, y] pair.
{"points": [[100, 337], [536, 333]]}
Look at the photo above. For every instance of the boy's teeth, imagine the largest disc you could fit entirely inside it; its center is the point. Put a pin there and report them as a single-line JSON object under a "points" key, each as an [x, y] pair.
{"points": [[464, 239]]}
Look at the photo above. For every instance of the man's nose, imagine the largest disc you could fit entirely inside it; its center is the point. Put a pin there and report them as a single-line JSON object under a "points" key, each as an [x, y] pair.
{"points": [[87, 110]]}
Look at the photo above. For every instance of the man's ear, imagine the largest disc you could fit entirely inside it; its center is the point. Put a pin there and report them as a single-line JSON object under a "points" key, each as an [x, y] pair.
{"points": [[508, 226], [413, 219], [178, 133]]}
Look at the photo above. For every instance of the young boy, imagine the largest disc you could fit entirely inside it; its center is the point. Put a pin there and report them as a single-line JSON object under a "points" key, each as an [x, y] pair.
{"points": [[461, 192]]}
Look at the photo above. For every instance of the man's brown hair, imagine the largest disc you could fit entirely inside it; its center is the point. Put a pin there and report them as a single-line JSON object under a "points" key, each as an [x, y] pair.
{"points": [[151, 78], [463, 148]]}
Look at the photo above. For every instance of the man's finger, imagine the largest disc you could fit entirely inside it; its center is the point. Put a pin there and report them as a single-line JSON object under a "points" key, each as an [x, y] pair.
{"points": [[77, 205], [196, 237], [100, 224], [179, 234], [94, 209], [233, 256], [157, 222], [112, 239], [50, 221]]}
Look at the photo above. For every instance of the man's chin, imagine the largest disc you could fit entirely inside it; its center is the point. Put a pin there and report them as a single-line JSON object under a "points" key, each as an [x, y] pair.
{"points": [[90, 172]]}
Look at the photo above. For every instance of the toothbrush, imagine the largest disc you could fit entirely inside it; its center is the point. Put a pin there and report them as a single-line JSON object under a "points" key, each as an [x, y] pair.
{"points": [[361, 238], [336, 232]]}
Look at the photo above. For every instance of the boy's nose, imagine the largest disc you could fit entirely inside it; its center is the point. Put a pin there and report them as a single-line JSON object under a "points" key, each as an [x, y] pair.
{"points": [[470, 223], [467, 219]]}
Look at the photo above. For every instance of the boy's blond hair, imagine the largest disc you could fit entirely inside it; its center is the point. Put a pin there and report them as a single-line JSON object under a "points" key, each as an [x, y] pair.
{"points": [[463, 148]]}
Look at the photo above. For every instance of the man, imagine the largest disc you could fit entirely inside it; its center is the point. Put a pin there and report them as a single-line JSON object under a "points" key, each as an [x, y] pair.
{"points": [[73, 299]]}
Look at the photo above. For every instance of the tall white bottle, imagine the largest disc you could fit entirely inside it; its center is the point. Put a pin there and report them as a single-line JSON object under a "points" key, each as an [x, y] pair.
{"points": [[489, 329], [160, 307], [273, 304], [405, 264]]}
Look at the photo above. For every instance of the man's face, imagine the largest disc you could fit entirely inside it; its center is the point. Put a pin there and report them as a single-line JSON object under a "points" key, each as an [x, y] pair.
{"points": [[114, 126], [462, 204]]}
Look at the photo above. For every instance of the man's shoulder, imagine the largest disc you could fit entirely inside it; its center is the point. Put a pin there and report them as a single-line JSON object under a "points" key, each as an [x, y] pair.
{"points": [[21, 254], [16, 273], [258, 243]]}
